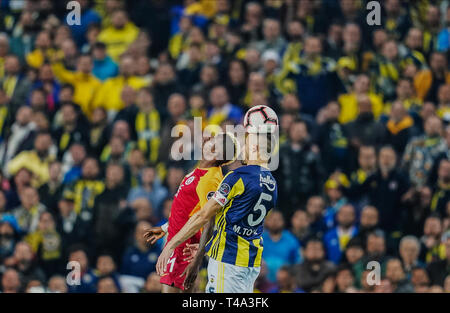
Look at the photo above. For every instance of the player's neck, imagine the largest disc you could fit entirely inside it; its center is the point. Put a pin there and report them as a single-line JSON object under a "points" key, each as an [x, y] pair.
{"points": [[261, 163], [206, 164]]}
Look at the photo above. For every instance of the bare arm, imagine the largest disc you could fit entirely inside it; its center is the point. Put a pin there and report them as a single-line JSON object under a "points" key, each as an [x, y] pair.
{"points": [[206, 235], [193, 225], [191, 270]]}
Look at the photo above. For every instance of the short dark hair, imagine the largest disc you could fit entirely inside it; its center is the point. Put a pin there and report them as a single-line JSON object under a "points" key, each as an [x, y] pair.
{"points": [[77, 247], [68, 86], [314, 239], [99, 45]]}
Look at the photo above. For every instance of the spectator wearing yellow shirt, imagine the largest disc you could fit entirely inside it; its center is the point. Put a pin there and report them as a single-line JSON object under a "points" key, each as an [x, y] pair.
{"points": [[47, 243], [43, 50], [349, 101], [109, 95], [37, 161], [119, 35], [177, 43], [86, 85]]}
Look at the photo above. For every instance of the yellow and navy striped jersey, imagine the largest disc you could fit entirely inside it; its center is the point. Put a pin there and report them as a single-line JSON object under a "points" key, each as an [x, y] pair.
{"points": [[246, 194]]}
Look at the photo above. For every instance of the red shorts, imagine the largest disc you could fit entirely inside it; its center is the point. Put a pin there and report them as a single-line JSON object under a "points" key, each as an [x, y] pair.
{"points": [[175, 267]]}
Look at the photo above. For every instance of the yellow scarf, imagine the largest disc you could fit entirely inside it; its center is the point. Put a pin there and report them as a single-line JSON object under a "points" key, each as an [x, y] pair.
{"points": [[147, 127], [9, 85], [403, 124], [3, 114]]}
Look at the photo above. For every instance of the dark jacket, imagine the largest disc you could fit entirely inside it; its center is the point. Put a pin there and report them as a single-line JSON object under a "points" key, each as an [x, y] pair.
{"points": [[106, 219], [366, 130], [332, 138], [299, 175], [389, 205], [308, 277], [438, 271]]}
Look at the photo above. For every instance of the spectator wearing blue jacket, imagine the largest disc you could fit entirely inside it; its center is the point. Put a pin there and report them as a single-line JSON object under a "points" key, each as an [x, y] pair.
{"points": [[88, 16], [104, 66], [139, 260], [106, 267], [280, 246], [87, 278], [443, 39], [311, 72], [336, 239], [150, 188]]}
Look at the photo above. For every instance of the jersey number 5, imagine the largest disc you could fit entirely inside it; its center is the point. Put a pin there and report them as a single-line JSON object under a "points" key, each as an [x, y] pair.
{"points": [[259, 206]]}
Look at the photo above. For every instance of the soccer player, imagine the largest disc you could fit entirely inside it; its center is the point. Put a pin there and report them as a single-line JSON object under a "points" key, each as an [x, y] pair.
{"points": [[194, 191], [239, 205]]}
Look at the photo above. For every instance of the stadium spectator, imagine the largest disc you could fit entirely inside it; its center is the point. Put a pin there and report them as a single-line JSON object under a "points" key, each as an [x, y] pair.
{"points": [[119, 35], [315, 268], [109, 210], [427, 81], [84, 190], [274, 237], [84, 83], [77, 253], [14, 83], [421, 151], [397, 277], [46, 242], [36, 161], [139, 260], [301, 226], [23, 260], [29, 211], [11, 281], [285, 282], [18, 136], [399, 128], [299, 161], [409, 250], [57, 284], [149, 187], [337, 238]]}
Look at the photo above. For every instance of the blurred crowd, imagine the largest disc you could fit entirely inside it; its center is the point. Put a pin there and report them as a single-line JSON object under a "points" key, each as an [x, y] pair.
{"points": [[87, 112]]}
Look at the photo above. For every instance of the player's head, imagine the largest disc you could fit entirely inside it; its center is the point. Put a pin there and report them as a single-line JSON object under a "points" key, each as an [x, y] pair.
{"points": [[261, 125], [223, 148]]}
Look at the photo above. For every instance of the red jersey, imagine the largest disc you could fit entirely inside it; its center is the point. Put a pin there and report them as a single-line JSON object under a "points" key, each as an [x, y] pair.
{"points": [[194, 191]]}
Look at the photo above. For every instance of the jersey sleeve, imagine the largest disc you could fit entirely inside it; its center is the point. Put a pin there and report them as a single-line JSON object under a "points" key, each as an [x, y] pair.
{"points": [[230, 187]]}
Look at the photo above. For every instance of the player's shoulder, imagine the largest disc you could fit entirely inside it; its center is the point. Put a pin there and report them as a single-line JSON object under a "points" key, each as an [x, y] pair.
{"points": [[210, 178], [215, 172]]}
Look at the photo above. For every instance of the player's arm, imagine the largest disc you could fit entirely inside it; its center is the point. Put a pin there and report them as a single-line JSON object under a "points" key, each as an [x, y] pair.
{"points": [[153, 234], [192, 269], [193, 225]]}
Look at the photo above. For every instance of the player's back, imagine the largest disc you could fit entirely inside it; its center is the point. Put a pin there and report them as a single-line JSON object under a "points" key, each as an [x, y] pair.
{"points": [[247, 194]]}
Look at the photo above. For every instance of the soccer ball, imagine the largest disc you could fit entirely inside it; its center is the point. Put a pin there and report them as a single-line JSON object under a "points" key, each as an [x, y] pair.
{"points": [[260, 119]]}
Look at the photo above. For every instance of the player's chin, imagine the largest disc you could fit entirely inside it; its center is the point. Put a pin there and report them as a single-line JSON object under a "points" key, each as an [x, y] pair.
{"points": [[243, 162]]}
